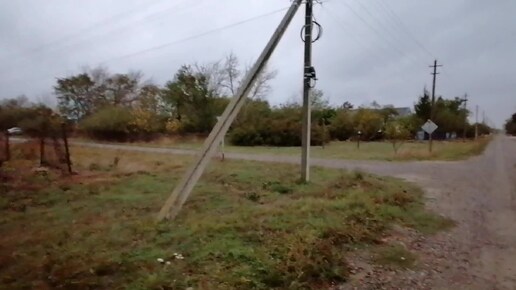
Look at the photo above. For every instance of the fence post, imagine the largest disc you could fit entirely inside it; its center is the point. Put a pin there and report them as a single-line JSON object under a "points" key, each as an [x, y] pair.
{"points": [[67, 150], [42, 151], [7, 149]]}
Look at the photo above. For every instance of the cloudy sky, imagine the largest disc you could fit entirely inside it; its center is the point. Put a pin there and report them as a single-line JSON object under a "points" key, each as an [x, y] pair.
{"points": [[370, 50]]}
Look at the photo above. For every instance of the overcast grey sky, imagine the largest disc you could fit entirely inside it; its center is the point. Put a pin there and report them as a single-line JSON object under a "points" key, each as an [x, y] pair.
{"points": [[371, 49]]}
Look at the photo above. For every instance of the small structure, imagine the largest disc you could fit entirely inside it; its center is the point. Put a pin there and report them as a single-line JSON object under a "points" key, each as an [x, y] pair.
{"points": [[403, 111]]}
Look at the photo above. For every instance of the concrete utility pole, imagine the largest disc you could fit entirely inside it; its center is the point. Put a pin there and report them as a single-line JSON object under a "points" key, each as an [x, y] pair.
{"points": [[183, 189], [465, 117], [432, 112], [476, 123], [307, 78]]}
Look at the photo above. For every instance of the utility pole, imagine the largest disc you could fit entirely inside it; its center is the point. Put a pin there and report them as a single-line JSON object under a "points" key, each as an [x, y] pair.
{"points": [[432, 112], [465, 116], [181, 192], [476, 123], [307, 78]]}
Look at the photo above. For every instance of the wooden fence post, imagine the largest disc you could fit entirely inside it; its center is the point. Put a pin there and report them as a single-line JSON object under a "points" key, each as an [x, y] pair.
{"points": [[67, 150], [7, 149], [42, 151]]}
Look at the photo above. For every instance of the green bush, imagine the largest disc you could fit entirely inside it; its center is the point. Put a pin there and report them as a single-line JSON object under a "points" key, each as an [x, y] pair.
{"points": [[279, 133], [262, 125], [110, 123], [341, 127], [121, 124]]}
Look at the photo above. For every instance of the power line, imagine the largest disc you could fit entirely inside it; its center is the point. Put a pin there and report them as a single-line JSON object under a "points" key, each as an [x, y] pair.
{"points": [[350, 33], [394, 36], [88, 29], [179, 41], [397, 20], [369, 25], [122, 28], [167, 44], [356, 39], [376, 31]]}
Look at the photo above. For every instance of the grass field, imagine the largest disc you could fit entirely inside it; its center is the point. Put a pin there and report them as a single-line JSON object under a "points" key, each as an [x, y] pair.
{"points": [[442, 150], [247, 225]]}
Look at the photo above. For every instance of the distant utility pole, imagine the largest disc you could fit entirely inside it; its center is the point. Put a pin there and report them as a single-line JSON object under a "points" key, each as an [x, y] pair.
{"points": [[307, 79], [465, 116], [476, 123], [432, 112]]}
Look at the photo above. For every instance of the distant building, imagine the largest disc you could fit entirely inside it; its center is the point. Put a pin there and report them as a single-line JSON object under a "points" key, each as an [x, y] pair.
{"points": [[404, 111]]}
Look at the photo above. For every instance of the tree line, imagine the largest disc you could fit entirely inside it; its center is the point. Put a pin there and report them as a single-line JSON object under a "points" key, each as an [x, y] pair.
{"points": [[510, 125], [126, 107]]}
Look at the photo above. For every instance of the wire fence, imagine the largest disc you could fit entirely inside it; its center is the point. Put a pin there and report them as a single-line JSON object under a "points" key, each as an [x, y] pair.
{"points": [[52, 152]]}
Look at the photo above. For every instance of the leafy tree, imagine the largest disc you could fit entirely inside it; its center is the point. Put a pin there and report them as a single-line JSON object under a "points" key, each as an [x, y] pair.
{"points": [[347, 106], [76, 96], [397, 133], [411, 123], [150, 100], [12, 111], [41, 122], [80, 95], [510, 125], [449, 114], [369, 121], [341, 127], [423, 107], [192, 100], [119, 89], [35, 120], [388, 113]]}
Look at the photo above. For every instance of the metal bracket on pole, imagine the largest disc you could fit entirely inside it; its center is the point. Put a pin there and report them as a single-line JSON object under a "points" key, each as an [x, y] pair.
{"points": [[183, 189]]}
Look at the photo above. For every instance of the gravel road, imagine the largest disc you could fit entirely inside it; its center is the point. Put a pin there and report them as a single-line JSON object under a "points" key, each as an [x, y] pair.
{"points": [[479, 194]]}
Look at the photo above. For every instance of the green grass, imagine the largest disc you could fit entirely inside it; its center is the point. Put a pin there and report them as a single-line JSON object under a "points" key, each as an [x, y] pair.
{"points": [[247, 225], [442, 150]]}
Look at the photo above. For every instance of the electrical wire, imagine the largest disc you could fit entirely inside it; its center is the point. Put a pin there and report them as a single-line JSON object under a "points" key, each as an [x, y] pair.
{"points": [[350, 34], [393, 35], [179, 41], [87, 29], [118, 30], [373, 52], [396, 19], [372, 28]]}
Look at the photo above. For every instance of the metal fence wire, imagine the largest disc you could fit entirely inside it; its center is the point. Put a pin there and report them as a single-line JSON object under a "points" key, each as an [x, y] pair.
{"points": [[52, 152]]}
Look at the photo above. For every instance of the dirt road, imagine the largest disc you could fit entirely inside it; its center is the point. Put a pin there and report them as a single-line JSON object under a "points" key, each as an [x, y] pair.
{"points": [[479, 194]]}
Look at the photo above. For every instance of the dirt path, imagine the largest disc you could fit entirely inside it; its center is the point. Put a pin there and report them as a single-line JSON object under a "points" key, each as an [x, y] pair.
{"points": [[479, 194]]}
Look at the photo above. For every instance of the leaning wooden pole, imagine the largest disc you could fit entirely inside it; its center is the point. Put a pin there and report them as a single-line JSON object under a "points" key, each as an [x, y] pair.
{"points": [[181, 192]]}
